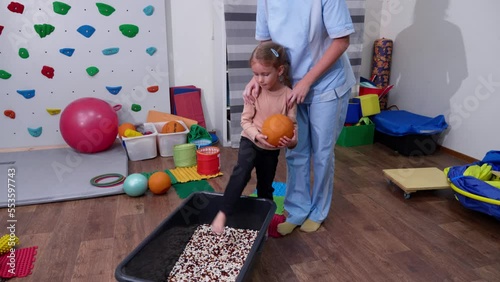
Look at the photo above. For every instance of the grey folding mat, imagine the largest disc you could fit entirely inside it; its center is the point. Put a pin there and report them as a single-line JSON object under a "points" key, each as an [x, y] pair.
{"points": [[45, 176]]}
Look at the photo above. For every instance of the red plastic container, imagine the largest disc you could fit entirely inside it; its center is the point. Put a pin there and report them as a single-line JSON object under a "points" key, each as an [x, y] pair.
{"points": [[208, 160]]}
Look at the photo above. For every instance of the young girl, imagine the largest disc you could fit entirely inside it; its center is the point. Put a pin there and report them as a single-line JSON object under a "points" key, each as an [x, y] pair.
{"points": [[270, 68]]}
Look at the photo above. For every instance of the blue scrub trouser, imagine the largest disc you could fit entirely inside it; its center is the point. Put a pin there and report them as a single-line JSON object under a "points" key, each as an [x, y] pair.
{"points": [[319, 126]]}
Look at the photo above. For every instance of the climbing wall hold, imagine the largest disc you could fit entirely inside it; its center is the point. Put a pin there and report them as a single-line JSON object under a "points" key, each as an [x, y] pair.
{"points": [[136, 107], [60, 7], [23, 53], [5, 74], [117, 107], [151, 50], [53, 111], [67, 51], [48, 71], [16, 7], [110, 51], [153, 88], [114, 89], [105, 9], [10, 113], [28, 94], [149, 10], [35, 132], [92, 71], [86, 30], [44, 29], [1, 29], [129, 30]]}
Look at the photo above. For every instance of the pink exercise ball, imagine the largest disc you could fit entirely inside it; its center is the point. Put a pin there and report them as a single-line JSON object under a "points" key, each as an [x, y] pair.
{"points": [[89, 125]]}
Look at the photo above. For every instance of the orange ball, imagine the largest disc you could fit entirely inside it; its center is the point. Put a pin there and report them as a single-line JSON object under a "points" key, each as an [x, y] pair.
{"points": [[172, 127], [277, 126], [125, 126], [159, 183]]}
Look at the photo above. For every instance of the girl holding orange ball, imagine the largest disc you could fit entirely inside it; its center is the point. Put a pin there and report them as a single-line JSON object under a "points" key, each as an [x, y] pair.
{"points": [[270, 68]]}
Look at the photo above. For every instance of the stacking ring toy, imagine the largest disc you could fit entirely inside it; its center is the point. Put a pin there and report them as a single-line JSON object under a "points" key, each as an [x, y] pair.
{"points": [[96, 180]]}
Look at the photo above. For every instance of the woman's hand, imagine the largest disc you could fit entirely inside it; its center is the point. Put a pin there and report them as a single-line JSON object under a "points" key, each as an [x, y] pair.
{"points": [[299, 92], [251, 92]]}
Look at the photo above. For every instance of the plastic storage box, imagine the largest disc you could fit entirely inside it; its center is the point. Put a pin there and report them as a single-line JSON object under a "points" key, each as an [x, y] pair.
{"points": [[167, 141], [357, 135], [409, 133], [155, 257], [142, 147]]}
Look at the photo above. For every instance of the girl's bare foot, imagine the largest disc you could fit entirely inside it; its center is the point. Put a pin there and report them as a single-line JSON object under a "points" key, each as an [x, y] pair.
{"points": [[219, 223]]}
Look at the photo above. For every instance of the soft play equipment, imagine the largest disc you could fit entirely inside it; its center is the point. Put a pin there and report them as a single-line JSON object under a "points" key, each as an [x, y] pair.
{"points": [[62, 174], [89, 125], [477, 185], [277, 126]]}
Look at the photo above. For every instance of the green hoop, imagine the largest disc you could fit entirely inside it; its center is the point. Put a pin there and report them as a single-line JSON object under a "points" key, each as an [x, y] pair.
{"points": [[95, 180]]}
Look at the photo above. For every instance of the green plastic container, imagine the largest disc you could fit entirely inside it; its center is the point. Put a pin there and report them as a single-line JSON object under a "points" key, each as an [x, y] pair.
{"points": [[357, 135]]}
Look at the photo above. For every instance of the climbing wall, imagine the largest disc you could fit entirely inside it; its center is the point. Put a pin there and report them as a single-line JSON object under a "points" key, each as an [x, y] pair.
{"points": [[54, 52]]}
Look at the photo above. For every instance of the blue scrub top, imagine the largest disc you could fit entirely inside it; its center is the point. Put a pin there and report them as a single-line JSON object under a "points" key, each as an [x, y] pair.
{"points": [[306, 28]]}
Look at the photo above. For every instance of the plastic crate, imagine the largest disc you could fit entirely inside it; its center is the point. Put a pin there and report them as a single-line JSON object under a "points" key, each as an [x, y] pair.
{"points": [[142, 147], [169, 239], [167, 141]]}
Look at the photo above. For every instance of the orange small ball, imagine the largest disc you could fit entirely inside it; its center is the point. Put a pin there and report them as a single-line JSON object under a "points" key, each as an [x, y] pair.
{"points": [[172, 127], [277, 126], [159, 183], [125, 126]]}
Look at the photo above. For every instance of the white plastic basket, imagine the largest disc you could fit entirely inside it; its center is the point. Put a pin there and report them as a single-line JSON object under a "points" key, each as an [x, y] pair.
{"points": [[167, 141], [142, 147]]}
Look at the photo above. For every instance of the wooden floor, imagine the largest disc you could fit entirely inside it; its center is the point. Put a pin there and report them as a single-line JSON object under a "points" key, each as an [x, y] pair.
{"points": [[372, 233]]}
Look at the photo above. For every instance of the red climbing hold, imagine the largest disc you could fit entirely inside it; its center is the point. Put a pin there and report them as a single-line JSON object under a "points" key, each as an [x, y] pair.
{"points": [[1, 29], [16, 7], [153, 89], [10, 113], [48, 71]]}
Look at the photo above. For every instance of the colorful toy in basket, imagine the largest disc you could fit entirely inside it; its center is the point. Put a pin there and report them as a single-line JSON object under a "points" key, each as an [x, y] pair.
{"points": [[477, 186]]}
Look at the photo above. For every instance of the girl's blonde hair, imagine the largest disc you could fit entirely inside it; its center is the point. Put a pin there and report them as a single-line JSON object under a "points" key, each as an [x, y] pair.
{"points": [[272, 54]]}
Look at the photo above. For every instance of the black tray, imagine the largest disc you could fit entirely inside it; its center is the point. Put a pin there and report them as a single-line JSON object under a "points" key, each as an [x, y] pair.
{"points": [[155, 257]]}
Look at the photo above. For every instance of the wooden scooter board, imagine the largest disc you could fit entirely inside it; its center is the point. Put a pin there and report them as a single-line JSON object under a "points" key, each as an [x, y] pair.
{"points": [[411, 180]]}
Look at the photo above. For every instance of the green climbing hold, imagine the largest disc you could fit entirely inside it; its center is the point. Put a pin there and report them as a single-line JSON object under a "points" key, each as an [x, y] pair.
{"points": [[92, 71], [23, 53], [129, 30], [60, 8], [5, 74], [44, 29], [136, 107], [105, 9]]}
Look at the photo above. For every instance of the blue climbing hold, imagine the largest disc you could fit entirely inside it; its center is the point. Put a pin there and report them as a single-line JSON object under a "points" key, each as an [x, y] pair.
{"points": [[151, 50], [28, 94], [114, 89], [35, 132], [110, 51], [67, 51], [86, 30], [149, 10]]}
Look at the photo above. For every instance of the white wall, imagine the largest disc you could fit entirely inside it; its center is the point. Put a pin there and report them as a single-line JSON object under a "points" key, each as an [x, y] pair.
{"points": [[192, 26], [444, 62]]}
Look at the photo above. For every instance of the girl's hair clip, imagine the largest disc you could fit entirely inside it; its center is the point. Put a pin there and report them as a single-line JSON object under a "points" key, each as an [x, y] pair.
{"points": [[275, 53]]}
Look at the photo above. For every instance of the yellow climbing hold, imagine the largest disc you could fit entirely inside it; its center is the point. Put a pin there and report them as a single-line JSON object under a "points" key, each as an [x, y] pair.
{"points": [[53, 111], [8, 242]]}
